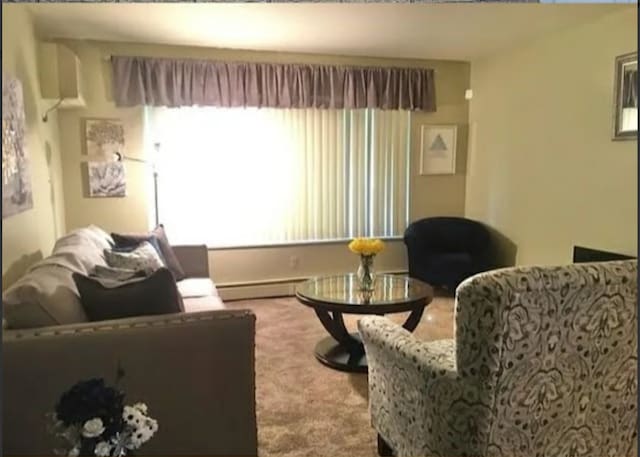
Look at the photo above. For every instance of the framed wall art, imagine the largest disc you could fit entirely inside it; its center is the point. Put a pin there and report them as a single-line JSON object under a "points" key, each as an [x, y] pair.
{"points": [[438, 149], [625, 106], [106, 179], [16, 173], [104, 142]]}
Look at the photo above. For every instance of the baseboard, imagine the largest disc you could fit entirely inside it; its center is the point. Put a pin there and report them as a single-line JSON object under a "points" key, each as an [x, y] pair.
{"points": [[257, 291], [285, 287]]}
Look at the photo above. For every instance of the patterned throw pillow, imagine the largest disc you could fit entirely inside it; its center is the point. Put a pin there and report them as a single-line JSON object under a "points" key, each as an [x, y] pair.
{"points": [[144, 258], [116, 274], [159, 237]]}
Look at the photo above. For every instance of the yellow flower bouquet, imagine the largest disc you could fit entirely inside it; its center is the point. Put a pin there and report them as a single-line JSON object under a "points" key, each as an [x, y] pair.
{"points": [[366, 248]]}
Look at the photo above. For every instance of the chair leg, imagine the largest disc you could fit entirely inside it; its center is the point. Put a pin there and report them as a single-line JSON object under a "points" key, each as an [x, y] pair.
{"points": [[384, 450]]}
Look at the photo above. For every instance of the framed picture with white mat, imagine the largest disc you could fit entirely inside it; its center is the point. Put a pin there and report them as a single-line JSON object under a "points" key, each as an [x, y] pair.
{"points": [[438, 149]]}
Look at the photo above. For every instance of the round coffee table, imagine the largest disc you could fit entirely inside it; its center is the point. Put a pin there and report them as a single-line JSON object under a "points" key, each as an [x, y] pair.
{"points": [[333, 296]]}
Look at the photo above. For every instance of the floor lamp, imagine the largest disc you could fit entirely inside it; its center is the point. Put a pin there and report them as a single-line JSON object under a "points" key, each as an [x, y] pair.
{"points": [[119, 157]]}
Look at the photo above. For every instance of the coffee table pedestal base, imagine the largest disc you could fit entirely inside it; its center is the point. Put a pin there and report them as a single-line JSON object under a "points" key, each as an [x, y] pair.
{"points": [[332, 296], [350, 358]]}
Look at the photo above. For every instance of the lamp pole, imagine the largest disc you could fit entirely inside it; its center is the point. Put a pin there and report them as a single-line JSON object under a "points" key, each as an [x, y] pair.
{"points": [[155, 182], [119, 157]]}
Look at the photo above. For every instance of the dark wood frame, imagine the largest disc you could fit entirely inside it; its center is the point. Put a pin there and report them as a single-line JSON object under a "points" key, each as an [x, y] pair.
{"points": [[344, 350]]}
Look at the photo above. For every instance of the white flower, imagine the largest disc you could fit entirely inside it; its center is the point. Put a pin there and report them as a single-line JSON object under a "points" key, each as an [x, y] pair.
{"points": [[152, 424], [132, 416], [119, 443], [74, 452], [92, 428], [103, 449], [139, 437], [141, 407]]}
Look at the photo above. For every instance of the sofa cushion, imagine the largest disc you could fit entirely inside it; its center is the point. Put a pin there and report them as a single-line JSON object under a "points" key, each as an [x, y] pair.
{"points": [[82, 249], [170, 258], [144, 257], [155, 294], [101, 238], [198, 304], [45, 296], [196, 287]]}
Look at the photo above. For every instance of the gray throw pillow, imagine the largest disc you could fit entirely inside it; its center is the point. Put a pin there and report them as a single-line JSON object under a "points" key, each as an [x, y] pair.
{"points": [[144, 258], [155, 294]]}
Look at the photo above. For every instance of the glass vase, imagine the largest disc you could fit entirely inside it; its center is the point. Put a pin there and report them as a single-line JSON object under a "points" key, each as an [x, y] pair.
{"points": [[366, 274]]}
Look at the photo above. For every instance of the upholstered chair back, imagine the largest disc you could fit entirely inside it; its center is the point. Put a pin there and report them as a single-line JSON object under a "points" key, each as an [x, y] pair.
{"points": [[448, 234], [549, 356]]}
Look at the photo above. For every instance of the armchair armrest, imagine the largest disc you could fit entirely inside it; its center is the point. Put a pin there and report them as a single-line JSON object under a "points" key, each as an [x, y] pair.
{"points": [[195, 372], [194, 260], [418, 402]]}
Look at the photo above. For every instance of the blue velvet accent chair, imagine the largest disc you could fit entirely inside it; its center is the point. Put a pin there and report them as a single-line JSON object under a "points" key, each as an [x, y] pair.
{"points": [[444, 251]]}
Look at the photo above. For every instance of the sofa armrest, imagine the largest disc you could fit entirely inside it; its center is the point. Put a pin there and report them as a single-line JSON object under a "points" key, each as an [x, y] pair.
{"points": [[194, 371], [194, 260]]}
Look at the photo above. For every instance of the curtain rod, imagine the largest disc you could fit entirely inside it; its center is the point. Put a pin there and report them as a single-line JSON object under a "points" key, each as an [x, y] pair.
{"points": [[107, 58]]}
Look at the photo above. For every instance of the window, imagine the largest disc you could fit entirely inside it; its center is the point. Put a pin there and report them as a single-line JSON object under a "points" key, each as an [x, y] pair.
{"points": [[249, 176]]}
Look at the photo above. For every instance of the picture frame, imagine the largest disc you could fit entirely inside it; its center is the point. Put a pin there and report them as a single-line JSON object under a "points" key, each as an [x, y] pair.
{"points": [[625, 96], [105, 138], [438, 149], [107, 179], [17, 191]]}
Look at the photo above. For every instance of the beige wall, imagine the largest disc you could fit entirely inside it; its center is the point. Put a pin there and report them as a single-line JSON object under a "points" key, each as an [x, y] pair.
{"points": [[542, 167], [433, 195], [29, 236]]}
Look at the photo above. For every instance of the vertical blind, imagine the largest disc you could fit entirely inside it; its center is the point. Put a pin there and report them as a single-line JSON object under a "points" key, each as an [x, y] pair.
{"points": [[255, 176]]}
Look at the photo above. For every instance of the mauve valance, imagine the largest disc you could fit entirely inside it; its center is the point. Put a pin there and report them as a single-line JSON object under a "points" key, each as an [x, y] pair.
{"points": [[187, 82]]}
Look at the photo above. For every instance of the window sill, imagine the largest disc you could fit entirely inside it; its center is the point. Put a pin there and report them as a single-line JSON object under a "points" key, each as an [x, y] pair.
{"points": [[294, 244]]}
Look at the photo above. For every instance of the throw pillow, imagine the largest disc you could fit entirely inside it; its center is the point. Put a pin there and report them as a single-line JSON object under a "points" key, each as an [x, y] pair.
{"points": [[155, 294], [118, 274], [159, 235], [153, 240], [144, 258]]}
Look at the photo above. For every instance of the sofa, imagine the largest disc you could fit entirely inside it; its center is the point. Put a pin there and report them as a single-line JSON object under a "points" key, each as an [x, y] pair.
{"points": [[194, 369], [543, 363]]}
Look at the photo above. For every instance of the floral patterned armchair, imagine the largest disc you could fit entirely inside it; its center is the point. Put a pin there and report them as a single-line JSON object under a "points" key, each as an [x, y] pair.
{"points": [[543, 364]]}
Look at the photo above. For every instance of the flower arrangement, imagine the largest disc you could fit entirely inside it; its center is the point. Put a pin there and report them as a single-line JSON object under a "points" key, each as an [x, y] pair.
{"points": [[367, 249], [93, 420], [366, 246]]}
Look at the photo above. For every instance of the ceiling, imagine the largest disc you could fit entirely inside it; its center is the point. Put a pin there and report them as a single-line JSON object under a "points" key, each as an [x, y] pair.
{"points": [[453, 31]]}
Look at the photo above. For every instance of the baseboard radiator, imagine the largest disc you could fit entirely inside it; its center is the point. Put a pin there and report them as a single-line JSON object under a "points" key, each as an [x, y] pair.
{"points": [[265, 289]]}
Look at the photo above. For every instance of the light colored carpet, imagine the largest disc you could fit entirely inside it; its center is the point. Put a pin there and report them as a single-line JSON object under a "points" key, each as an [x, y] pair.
{"points": [[303, 407]]}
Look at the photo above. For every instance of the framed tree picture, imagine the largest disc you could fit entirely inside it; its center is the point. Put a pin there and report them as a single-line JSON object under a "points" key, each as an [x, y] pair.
{"points": [[104, 141], [16, 174], [438, 149]]}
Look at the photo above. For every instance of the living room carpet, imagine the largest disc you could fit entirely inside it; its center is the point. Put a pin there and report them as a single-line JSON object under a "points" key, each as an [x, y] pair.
{"points": [[303, 407]]}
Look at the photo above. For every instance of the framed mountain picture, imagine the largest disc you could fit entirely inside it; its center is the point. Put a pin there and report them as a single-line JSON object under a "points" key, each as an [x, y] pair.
{"points": [[438, 149]]}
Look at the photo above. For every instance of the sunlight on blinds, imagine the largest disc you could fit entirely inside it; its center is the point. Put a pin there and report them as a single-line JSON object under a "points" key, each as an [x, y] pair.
{"points": [[248, 176]]}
